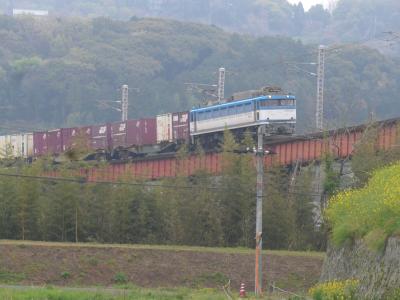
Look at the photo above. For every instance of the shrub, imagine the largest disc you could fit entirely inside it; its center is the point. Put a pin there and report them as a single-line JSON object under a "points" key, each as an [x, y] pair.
{"points": [[65, 275], [335, 290], [392, 295], [93, 261], [120, 278]]}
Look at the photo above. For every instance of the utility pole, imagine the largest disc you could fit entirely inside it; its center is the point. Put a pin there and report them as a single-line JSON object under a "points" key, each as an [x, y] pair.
{"points": [[124, 102], [221, 85], [260, 186], [319, 114]]}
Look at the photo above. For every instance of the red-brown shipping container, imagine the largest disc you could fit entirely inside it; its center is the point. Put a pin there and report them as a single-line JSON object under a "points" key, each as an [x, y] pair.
{"points": [[180, 126], [149, 131], [85, 134], [67, 136], [101, 137], [141, 132], [39, 143], [134, 135], [54, 142], [118, 134]]}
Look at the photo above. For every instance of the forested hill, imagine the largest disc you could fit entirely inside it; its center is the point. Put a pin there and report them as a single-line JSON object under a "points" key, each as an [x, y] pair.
{"points": [[53, 71], [347, 21]]}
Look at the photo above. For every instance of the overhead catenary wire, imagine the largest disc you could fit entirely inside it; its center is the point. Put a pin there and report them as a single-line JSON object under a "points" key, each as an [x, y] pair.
{"points": [[122, 183]]}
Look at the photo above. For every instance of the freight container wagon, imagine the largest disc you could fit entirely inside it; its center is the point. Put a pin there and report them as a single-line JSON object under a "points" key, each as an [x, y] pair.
{"points": [[29, 144], [67, 137], [39, 143], [118, 135], [141, 132], [148, 129], [3, 147], [54, 142], [25, 145], [180, 126], [16, 145], [77, 135], [101, 137], [164, 128]]}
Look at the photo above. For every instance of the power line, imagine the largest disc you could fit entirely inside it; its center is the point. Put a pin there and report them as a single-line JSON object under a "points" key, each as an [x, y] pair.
{"points": [[84, 181]]}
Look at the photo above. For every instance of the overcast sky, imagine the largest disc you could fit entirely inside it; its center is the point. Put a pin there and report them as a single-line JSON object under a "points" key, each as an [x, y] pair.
{"points": [[308, 3]]}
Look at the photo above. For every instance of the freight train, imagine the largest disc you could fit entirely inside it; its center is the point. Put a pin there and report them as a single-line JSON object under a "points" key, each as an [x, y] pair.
{"points": [[132, 138]]}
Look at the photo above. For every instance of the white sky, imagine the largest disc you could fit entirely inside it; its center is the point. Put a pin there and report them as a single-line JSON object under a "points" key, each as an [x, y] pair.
{"points": [[308, 3]]}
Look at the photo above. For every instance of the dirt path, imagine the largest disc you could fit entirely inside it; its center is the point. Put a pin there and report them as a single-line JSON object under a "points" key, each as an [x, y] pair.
{"points": [[147, 266]]}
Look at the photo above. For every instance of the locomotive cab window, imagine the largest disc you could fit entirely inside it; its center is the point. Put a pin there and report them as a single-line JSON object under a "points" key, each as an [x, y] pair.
{"points": [[265, 103], [286, 102]]}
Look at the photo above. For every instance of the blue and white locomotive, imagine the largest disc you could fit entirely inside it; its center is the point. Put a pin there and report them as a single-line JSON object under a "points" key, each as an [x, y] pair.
{"points": [[244, 111], [276, 111]]}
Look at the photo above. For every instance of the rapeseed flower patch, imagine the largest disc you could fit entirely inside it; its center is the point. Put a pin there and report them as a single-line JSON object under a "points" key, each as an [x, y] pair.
{"points": [[372, 212], [335, 290]]}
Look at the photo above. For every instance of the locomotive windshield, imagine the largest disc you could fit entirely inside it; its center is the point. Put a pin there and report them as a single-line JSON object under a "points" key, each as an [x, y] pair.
{"points": [[282, 102]]}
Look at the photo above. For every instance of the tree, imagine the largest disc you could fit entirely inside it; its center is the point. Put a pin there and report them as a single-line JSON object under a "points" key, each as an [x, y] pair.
{"points": [[304, 232], [27, 199], [237, 195], [277, 218], [8, 208]]}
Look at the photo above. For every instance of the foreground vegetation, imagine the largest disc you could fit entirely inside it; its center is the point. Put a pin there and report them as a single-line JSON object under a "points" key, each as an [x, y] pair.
{"points": [[371, 213], [199, 210], [129, 294], [335, 290], [236, 250], [151, 266], [51, 293]]}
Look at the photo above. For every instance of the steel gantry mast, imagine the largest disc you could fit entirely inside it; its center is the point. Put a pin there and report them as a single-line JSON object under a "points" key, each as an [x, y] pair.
{"points": [[221, 85], [125, 102], [319, 114]]}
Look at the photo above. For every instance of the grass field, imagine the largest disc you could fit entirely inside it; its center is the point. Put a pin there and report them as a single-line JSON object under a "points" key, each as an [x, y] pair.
{"points": [[166, 247], [111, 294], [28, 263], [129, 293]]}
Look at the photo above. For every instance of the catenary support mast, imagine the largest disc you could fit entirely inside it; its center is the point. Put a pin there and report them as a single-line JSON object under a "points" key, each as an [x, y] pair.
{"points": [[221, 85], [125, 102], [319, 114]]}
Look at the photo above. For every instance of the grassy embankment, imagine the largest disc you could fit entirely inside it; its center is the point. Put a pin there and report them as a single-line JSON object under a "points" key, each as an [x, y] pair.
{"points": [[151, 267], [110, 294], [128, 293]]}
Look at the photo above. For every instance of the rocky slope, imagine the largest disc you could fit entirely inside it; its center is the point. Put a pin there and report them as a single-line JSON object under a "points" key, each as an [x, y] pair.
{"points": [[378, 272]]}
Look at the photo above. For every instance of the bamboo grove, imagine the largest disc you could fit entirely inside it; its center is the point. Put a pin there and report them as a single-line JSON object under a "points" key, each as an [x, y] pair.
{"points": [[202, 210]]}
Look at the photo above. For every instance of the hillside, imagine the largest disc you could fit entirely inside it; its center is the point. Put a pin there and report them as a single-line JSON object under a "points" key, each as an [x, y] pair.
{"points": [[54, 71], [347, 21]]}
